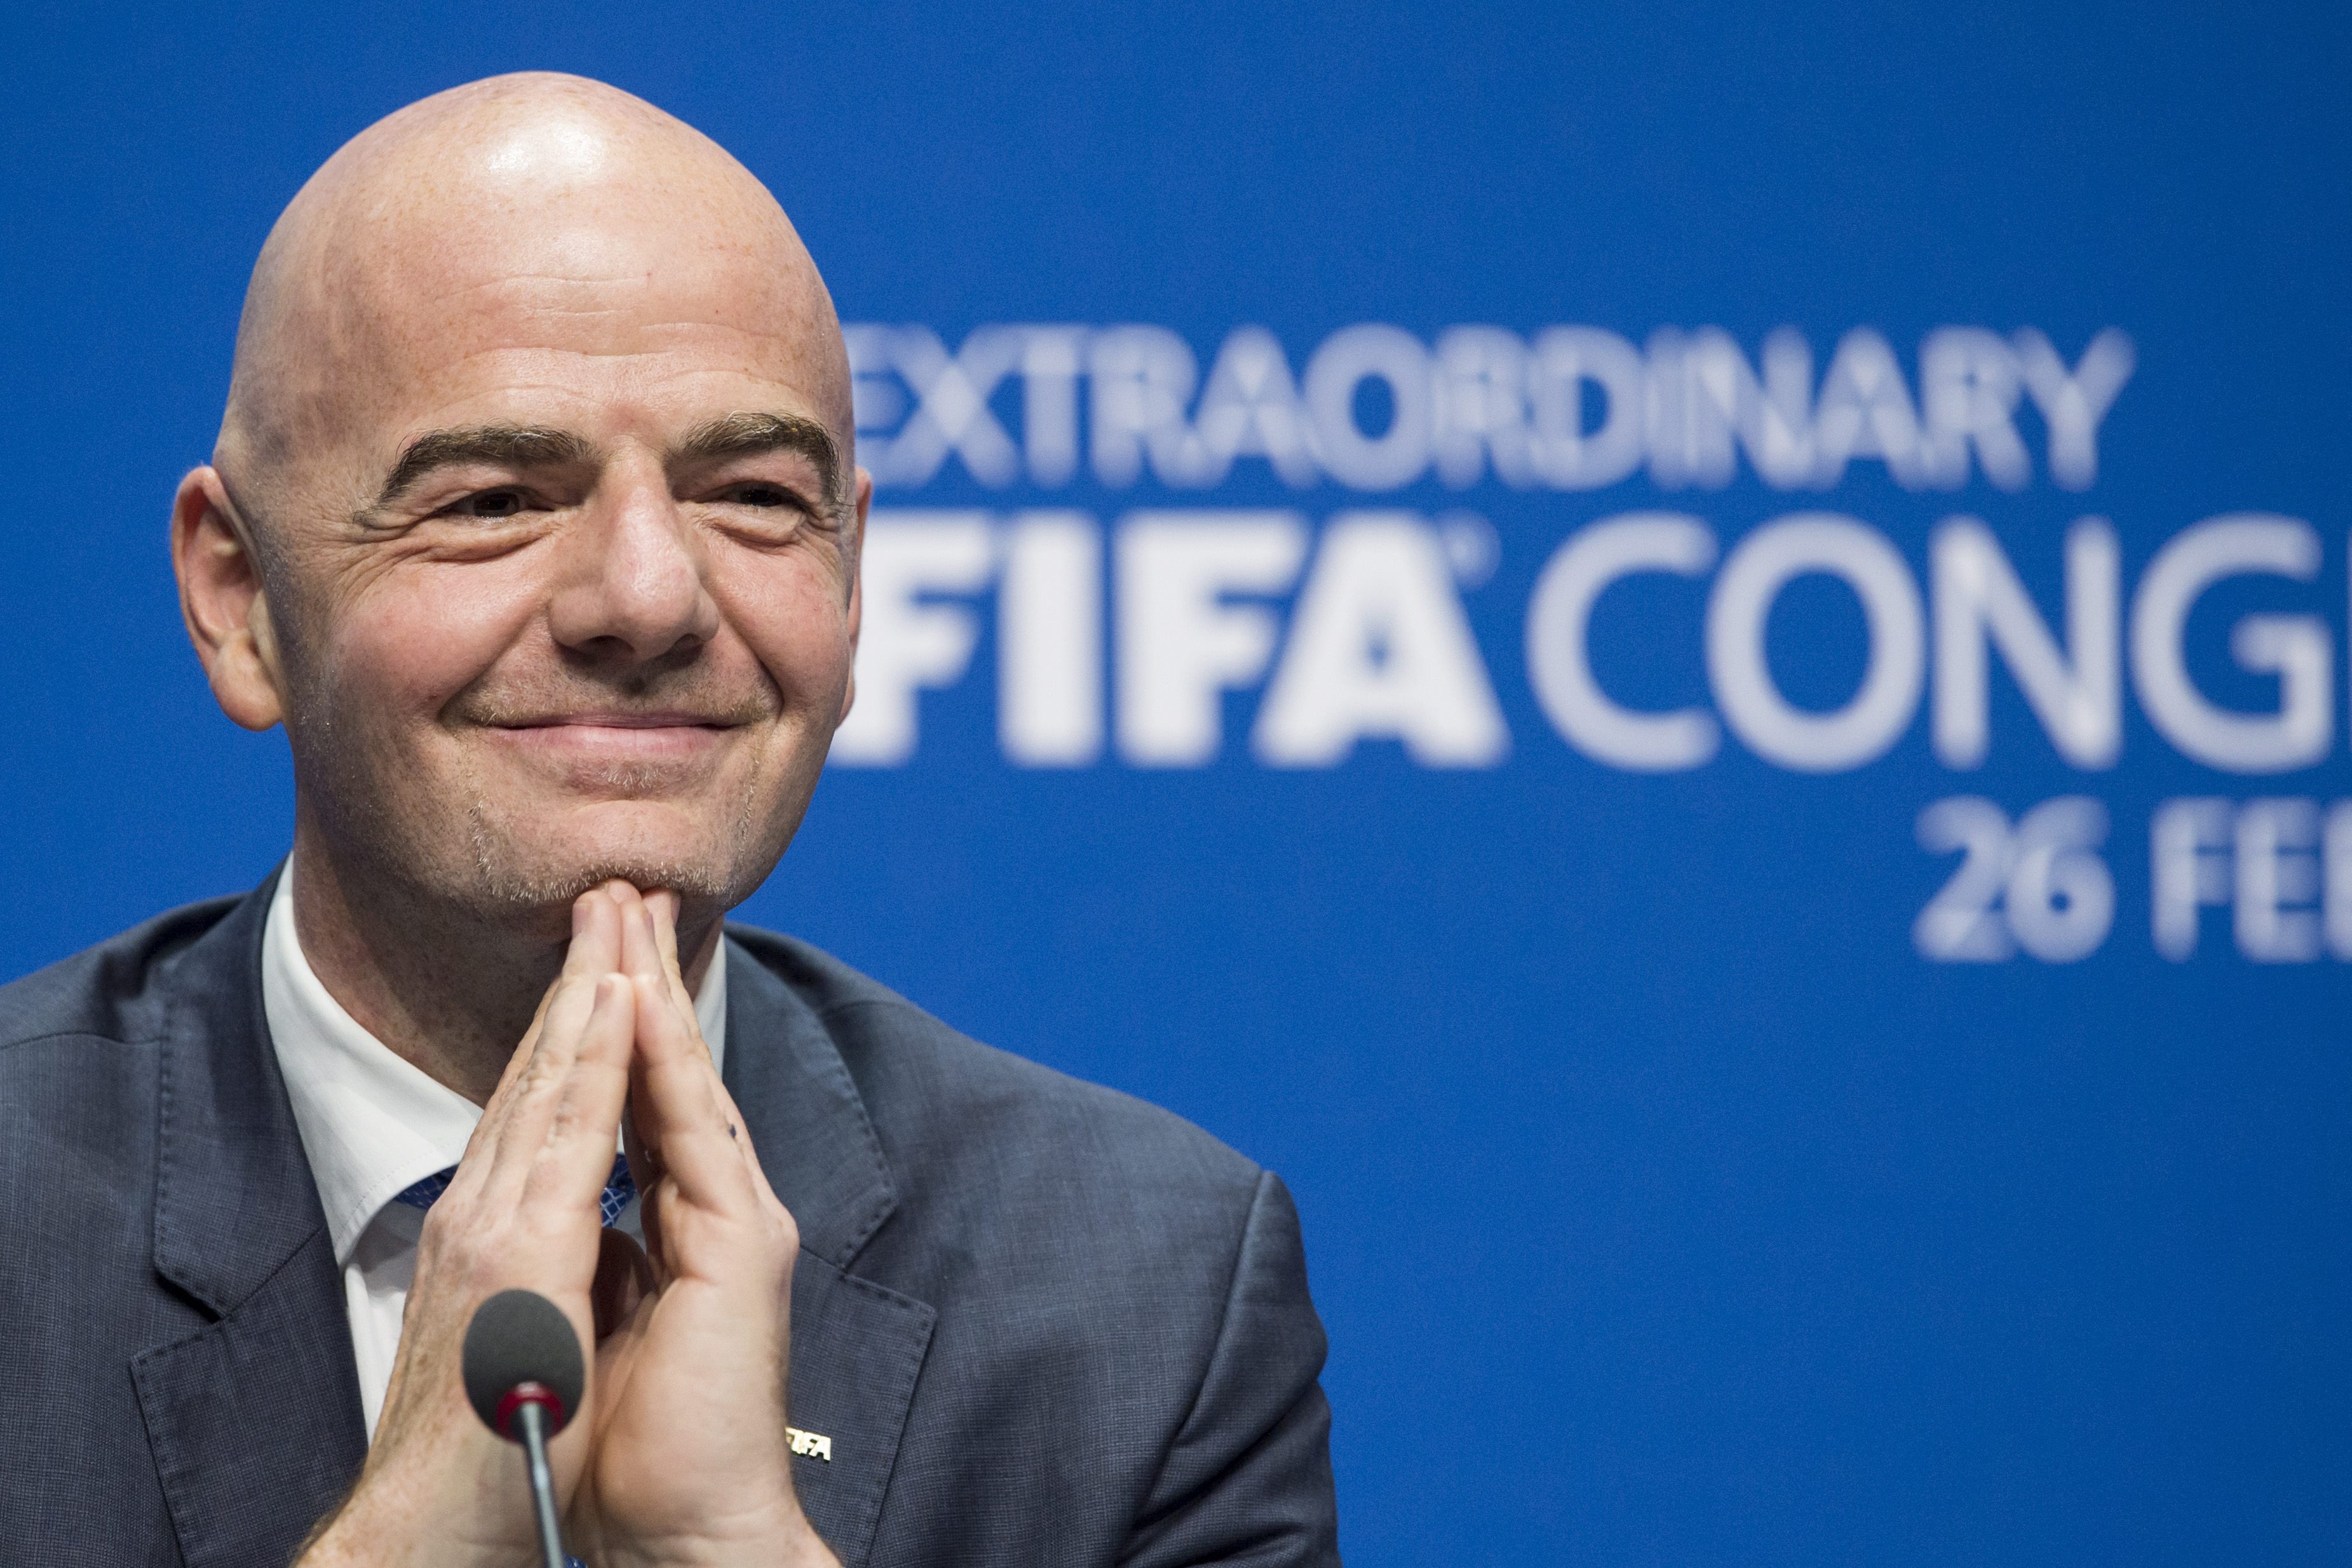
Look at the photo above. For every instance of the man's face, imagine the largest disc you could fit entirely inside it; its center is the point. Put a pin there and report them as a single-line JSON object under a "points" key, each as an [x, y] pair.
{"points": [[569, 593]]}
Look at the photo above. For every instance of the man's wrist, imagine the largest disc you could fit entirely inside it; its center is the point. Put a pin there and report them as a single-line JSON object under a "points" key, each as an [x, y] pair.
{"points": [[395, 1518], [776, 1537]]}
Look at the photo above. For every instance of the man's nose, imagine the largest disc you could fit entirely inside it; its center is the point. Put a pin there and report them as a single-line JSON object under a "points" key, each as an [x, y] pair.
{"points": [[632, 582]]}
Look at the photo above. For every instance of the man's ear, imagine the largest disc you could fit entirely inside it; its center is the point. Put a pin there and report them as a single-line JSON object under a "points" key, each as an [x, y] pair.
{"points": [[221, 599], [857, 590]]}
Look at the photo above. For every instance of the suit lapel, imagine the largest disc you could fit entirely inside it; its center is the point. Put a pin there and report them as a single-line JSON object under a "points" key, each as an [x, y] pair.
{"points": [[255, 1419], [858, 1347]]}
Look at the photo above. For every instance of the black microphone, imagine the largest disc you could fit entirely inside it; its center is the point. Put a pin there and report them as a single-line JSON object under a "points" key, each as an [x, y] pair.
{"points": [[523, 1374]]}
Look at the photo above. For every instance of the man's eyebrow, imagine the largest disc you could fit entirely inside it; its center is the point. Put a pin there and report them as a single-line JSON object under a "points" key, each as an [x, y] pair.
{"points": [[748, 435], [503, 446]]}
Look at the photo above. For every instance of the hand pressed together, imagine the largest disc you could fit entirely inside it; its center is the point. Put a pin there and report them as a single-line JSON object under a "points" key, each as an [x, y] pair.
{"points": [[679, 1452]]}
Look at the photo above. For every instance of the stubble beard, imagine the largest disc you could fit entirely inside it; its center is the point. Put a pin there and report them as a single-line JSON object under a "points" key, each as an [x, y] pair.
{"points": [[463, 843], [497, 867], [512, 879]]}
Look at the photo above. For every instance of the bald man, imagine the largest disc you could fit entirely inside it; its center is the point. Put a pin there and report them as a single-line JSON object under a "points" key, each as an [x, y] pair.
{"points": [[534, 521]]}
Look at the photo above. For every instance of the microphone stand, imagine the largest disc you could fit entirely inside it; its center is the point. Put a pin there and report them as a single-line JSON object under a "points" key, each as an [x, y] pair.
{"points": [[524, 1377], [531, 1419]]}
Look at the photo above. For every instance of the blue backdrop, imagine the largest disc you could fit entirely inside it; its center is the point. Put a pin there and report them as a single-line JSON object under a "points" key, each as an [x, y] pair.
{"points": [[1492, 604]]}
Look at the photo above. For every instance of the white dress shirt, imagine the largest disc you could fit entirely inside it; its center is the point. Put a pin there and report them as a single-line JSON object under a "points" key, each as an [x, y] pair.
{"points": [[373, 1125]]}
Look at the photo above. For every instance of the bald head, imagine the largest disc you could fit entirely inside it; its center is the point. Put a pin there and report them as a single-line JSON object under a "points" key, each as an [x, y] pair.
{"points": [[531, 212], [534, 517]]}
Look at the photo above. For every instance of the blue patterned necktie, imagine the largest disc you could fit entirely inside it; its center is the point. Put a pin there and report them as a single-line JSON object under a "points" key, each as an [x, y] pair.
{"points": [[618, 1191]]}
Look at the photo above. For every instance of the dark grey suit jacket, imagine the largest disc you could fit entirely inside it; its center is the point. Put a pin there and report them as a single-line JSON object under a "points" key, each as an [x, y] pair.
{"points": [[1042, 1323]]}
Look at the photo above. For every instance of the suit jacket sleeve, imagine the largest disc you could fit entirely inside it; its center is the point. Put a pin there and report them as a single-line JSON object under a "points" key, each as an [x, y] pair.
{"points": [[1247, 1481]]}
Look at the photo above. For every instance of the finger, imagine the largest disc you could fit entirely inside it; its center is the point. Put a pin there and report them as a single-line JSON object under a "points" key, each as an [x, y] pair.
{"points": [[664, 906], [593, 951], [634, 959], [663, 903], [595, 941], [682, 1005], [649, 952], [675, 1046], [514, 1122], [575, 1156], [641, 947], [578, 958], [683, 1113], [528, 1043], [738, 1132], [517, 1063], [539, 1021], [645, 1168], [515, 1116]]}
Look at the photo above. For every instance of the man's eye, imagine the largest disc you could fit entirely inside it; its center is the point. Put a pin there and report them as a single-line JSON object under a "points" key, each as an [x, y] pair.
{"points": [[763, 495], [490, 503]]}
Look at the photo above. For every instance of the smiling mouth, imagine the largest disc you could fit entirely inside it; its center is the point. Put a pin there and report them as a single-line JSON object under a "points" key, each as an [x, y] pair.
{"points": [[618, 720], [608, 738]]}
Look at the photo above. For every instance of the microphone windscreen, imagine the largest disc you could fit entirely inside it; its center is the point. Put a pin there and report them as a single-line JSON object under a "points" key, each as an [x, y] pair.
{"points": [[517, 1337]]}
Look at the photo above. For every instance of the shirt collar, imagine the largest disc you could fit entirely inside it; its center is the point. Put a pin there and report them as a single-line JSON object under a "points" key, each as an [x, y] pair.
{"points": [[374, 1124]]}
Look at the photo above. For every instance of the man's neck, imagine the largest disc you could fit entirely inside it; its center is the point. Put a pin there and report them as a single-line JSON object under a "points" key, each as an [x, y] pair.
{"points": [[446, 989]]}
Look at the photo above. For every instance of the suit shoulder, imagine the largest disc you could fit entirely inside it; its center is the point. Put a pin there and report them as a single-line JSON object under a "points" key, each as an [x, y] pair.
{"points": [[111, 990], [932, 1089]]}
